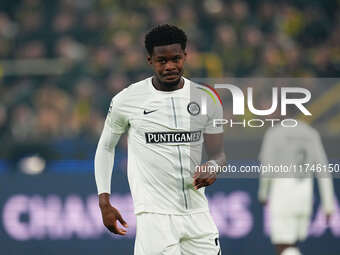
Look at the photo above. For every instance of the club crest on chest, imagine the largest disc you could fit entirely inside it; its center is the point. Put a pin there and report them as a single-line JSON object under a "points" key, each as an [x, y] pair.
{"points": [[193, 108]]}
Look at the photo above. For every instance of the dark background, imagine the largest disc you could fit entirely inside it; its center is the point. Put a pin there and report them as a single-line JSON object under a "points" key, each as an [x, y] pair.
{"points": [[239, 217]]}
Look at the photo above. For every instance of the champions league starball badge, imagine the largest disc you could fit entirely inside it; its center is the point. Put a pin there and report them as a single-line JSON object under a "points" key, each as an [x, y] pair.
{"points": [[193, 108]]}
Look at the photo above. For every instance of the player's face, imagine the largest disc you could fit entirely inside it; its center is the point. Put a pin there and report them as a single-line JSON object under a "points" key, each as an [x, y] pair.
{"points": [[167, 62]]}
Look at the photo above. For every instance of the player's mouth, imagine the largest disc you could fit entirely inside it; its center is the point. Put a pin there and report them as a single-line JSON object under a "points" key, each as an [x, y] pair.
{"points": [[171, 76]]}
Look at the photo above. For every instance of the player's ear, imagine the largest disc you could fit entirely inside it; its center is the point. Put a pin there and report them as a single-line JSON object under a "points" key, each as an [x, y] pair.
{"points": [[149, 59], [185, 55]]}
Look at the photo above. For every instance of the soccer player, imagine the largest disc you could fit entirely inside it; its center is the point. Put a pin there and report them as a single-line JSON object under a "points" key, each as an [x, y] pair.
{"points": [[168, 118], [291, 199]]}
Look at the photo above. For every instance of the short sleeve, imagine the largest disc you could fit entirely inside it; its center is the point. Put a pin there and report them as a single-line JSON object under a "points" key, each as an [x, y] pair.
{"points": [[319, 151], [117, 118], [214, 111], [267, 151]]}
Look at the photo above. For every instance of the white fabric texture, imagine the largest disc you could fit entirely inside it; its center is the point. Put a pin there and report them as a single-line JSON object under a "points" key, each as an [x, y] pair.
{"points": [[165, 140], [104, 159], [292, 196], [291, 251], [288, 229], [176, 234]]}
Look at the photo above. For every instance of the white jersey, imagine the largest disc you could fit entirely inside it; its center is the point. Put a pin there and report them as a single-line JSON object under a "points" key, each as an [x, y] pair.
{"points": [[165, 137], [294, 146]]}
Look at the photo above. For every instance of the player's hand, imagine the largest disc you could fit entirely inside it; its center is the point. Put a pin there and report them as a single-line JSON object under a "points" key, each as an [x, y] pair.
{"points": [[328, 218], [263, 202], [202, 177], [110, 216]]}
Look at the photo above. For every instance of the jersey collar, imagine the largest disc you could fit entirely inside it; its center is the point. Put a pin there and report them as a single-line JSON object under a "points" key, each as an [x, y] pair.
{"points": [[174, 92]]}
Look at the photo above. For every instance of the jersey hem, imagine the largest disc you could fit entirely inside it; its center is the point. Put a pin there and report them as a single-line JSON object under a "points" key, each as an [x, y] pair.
{"points": [[188, 212], [213, 132]]}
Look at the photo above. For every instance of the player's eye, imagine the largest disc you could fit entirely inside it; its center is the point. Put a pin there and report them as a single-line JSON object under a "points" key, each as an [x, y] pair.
{"points": [[162, 61], [176, 59]]}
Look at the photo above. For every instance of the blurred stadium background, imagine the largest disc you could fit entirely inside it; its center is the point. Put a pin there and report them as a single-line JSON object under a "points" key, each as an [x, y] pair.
{"points": [[62, 61]]}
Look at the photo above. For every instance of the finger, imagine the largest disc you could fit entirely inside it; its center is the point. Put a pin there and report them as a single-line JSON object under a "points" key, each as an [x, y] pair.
{"points": [[121, 232], [196, 174], [112, 229], [117, 230], [203, 180], [199, 186], [122, 221], [198, 181]]}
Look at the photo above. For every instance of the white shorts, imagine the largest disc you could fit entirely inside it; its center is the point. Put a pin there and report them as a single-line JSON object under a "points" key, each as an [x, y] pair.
{"points": [[193, 234], [289, 229]]}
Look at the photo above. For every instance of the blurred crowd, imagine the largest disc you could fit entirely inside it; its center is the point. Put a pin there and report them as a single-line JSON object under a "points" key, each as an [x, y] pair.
{"points": [[101, 46]]}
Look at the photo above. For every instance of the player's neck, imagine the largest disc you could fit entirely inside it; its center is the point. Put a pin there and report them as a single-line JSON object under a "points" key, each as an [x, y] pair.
{"points": [[163, 87]]}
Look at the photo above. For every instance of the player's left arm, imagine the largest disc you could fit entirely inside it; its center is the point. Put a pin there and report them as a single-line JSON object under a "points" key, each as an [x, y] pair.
{"points": [[325, 180], [214, 147], [207, 173], [266, 157]]}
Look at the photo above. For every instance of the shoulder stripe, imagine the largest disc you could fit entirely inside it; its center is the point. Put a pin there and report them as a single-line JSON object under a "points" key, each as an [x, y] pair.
{"points": [[215, 92], [210, 91]]}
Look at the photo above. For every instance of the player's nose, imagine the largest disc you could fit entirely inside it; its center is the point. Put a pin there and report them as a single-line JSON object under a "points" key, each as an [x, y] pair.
{"points": [[170, 67]]}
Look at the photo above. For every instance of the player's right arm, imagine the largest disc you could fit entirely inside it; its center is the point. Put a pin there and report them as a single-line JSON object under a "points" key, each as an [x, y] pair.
{"points": [[325, 181], [265, 157], [115, 125]]}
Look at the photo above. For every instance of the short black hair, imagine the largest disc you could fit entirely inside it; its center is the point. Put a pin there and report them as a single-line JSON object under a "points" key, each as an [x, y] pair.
{"points": [[164, 35]]}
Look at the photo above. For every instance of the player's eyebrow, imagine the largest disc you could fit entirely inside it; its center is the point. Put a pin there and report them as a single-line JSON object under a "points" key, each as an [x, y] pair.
{"points": [[177, 56], [172, 57]]}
